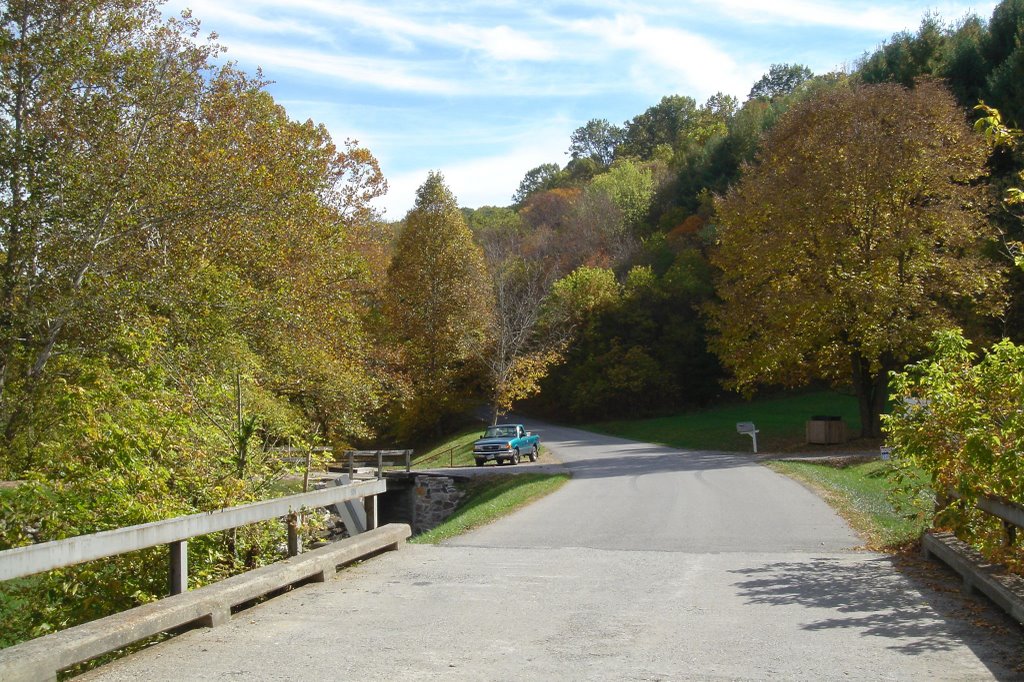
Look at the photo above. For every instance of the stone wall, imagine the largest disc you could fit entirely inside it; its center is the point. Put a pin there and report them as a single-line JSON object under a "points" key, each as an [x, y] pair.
{"points": [[436, 498], [423, 502]]}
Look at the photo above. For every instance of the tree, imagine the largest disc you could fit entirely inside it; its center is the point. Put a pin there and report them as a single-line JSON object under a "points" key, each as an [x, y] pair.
{"points": [[630, 188], [596, 140], [93, 97], [635, 349], [171, 242], [852, 239], [965, 67], [519, 355], [578, 296], [439, 308], [781, 80], [906, 56], [713, 117], [666, 123], [535, 180], [1004, 31]]}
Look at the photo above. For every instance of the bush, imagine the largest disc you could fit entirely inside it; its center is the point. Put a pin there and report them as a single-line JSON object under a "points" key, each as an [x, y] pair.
{"points": [[961, 421]]}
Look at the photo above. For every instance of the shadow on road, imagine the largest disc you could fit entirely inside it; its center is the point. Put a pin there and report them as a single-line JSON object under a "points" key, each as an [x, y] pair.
{"points": [[640, 460], [930, 616]]}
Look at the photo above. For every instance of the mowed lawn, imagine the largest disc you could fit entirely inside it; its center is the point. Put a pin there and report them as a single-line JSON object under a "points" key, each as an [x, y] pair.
{"points": [[781, 422]]}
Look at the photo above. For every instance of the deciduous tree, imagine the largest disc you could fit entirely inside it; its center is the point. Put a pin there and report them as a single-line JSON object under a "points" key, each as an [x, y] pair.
{"points": [[853, 238], [596, 140], [535, 180], [439, 307], [781, 80]]}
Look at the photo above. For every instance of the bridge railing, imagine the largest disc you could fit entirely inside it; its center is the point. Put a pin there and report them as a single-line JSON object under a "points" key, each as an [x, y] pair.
{"points": [[175, 532], [1012, 515]]}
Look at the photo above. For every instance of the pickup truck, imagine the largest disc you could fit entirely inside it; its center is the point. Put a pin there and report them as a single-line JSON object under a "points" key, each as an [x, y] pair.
{"points": [[506, 443]]}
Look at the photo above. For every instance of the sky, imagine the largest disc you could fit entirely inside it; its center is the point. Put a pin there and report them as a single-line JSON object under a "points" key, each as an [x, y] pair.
{"points": [[485, 91]]}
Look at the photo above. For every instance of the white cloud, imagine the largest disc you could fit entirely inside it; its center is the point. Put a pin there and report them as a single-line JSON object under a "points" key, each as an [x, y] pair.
{"points": [[222, 14], [669, 59], [486, 180], [505, 44], [858, 15], [498, 42], [879, 17], [402, 29], [385, 74], [478, 74]]}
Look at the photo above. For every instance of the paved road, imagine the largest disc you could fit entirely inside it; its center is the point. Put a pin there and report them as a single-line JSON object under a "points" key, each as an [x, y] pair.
{"points": [[651, 564]]}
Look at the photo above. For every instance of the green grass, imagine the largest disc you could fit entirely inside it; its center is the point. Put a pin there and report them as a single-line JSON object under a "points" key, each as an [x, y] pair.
{"points": [[490, 498], [779, 420], [455, 450], [860, 493]]}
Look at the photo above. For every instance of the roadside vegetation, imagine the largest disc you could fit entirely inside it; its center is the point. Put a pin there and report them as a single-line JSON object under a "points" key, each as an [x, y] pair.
{"points": [[863, 494], [490, 498], [455, 450], [957, 430]]}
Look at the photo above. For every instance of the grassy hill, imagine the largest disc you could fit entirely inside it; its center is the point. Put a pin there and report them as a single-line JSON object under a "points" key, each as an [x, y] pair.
{"points": [[780, 421]]}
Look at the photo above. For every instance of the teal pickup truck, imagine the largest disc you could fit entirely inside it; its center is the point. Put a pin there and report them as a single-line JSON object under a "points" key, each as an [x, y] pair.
{"points": [[506, 443]]}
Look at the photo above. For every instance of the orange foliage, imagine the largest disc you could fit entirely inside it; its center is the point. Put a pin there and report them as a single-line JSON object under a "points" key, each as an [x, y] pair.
{"points": [[691, 225]]}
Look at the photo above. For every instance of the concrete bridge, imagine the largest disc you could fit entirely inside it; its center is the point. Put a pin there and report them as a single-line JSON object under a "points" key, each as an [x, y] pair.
{"points": [[651, 564]]}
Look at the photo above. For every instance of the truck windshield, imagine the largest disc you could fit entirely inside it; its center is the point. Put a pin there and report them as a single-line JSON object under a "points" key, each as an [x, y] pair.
{"points": [[500, 432]]}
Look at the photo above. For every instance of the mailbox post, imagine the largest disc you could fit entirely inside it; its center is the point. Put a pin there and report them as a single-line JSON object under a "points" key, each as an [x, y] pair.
{"points": [[748, 429]]}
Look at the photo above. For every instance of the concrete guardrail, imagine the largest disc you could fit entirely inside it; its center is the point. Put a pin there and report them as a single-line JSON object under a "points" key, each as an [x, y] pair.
{"points": [[42, 658], [1004, 589]]}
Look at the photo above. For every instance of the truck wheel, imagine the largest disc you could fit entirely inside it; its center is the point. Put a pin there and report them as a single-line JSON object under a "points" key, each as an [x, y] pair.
{"points": [[480, 462], [533, 454], [515, 456]]}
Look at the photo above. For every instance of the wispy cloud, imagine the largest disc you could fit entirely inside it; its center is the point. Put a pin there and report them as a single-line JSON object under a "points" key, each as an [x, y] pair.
{"points": [[500, 42], [860, 15], [213, 13], [383, 74], [469, 87], [847, 15], [409, 31]]}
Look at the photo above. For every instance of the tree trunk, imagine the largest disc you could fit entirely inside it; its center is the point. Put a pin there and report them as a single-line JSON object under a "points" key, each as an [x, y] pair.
{"points": [[872, 390]]}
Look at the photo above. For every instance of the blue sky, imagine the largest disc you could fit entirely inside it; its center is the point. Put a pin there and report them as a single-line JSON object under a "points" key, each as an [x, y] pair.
{"points": [[485, 91]]}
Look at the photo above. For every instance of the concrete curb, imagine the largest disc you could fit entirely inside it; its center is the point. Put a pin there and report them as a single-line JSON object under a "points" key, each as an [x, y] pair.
{"points": [[43, 657], [1004, 589]]}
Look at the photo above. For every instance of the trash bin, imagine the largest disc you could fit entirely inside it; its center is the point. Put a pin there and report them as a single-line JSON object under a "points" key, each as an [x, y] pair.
{"points": [[825, 430]]}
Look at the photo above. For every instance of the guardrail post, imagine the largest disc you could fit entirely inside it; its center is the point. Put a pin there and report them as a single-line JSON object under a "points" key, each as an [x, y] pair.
{"points": [[179, 567], [294, 541], [1011, 533], [370, 504]]}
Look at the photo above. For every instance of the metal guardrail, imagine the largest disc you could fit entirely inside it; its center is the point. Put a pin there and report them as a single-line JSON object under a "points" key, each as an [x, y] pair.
{"points": [[449, 452], [175, 532]]}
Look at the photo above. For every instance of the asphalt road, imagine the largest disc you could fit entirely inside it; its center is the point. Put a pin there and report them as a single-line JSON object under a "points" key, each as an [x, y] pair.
{"points": [[651, 564]]}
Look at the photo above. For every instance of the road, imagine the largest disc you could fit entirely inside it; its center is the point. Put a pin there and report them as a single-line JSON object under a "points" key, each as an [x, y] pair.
{"points": [[651, 564]]}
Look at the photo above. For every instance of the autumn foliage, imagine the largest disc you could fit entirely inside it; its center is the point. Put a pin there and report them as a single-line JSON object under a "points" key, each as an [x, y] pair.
{"points": [[857, 234]]}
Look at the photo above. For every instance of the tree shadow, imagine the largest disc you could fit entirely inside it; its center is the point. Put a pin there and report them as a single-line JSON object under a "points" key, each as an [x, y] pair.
{"points": [[918, 606], [643, 460]]}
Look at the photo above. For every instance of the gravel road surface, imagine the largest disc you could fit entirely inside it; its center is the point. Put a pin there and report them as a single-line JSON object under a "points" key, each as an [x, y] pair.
{"points": [[651, 564]]}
